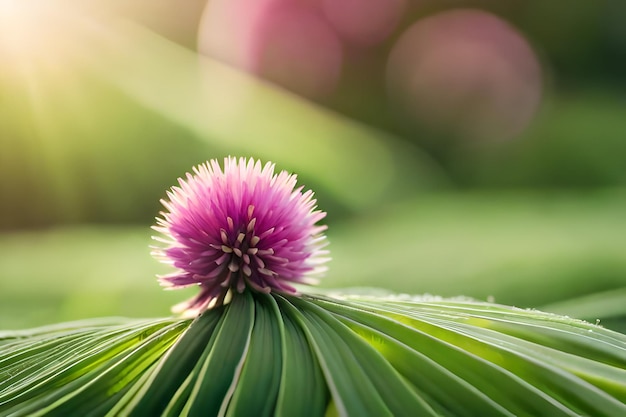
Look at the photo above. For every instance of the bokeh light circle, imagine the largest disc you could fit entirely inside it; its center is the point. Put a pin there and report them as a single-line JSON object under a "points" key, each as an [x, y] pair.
{"points": [[364, 22], [467, 73], [285, 41]]}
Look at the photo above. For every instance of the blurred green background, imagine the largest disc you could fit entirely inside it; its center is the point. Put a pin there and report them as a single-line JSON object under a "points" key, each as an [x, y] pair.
{"points": [[470, 148]]}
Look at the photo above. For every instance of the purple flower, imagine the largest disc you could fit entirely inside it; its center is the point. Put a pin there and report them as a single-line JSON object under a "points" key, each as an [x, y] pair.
{"points": [[237, 228]]}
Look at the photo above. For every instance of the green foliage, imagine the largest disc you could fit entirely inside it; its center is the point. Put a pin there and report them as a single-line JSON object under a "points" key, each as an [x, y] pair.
{"points": [[335, 354]]}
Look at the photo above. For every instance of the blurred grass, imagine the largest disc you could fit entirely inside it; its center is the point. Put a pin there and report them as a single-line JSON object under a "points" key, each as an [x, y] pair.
{"points": [[525, 249], [577, 141], [67, 273]]}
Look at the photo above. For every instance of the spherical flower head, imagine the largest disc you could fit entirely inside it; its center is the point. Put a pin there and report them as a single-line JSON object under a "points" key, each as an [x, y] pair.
{"points": [[243, 227]]}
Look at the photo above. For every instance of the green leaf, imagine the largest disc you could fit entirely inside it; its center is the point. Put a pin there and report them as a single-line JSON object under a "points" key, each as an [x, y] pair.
{"points": [[263, 364], [399, 396], [88, 371], [346, 355], [301, 373], [484, 386], [152, 396], [223, 360], [352, 391]]}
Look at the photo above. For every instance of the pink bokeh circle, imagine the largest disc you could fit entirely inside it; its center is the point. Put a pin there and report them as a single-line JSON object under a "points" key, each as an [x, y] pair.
{"points": [[364, 22], [285, 41], [465, 72]]}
